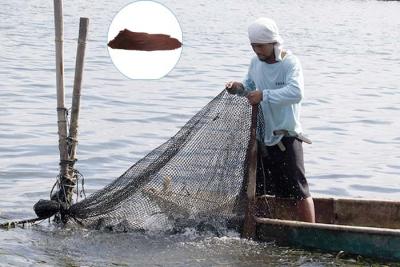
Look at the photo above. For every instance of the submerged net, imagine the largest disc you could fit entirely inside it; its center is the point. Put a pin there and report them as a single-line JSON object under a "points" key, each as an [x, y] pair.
{"points": [[198, 174]]}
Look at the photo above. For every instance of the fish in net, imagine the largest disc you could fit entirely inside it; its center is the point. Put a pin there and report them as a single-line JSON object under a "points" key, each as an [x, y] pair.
{"points": [[198, 175]]}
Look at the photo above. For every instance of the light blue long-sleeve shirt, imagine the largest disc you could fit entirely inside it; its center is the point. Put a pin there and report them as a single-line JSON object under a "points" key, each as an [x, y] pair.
{"points": [[282, 85]]}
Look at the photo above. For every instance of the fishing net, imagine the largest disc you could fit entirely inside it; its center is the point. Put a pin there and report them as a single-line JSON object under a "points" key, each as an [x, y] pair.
{"points": [[198, 174]]}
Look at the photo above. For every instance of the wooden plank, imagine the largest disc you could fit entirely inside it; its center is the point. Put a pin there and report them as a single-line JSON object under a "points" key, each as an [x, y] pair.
{"points": [[343, 211], [324, 210], [249, 227], [363, 212], [299, 224], [366, 241], [357, 226], [284, 208], [276, 208]]}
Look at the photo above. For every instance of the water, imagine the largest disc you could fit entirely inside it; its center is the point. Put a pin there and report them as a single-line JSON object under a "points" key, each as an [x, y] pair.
{"points": [[350, 55]]}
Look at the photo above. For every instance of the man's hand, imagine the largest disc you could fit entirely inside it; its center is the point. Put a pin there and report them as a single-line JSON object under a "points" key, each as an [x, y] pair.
{"points": [[233, 87], [255, 97]]}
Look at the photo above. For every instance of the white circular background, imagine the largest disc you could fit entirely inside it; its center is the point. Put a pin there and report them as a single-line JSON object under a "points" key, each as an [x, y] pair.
{"points": [[150, 17]]}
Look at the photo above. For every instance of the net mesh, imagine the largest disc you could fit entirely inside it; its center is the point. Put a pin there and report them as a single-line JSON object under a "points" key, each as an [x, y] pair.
{"points": [[197, 174]]}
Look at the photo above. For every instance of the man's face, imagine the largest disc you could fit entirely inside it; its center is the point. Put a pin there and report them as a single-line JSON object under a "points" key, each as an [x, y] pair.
{"points": [[265, 52]]}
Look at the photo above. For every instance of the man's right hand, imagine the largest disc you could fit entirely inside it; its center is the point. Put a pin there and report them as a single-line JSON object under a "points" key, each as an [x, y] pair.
{"points": [[233, 87]]}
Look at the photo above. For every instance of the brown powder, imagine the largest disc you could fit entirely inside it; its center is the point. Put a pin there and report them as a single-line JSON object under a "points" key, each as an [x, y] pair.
{"points": [[143, 41]]}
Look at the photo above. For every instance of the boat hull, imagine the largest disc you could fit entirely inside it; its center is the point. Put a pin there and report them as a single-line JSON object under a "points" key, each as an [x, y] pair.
{"points": [[353, 240], [369, 228]]}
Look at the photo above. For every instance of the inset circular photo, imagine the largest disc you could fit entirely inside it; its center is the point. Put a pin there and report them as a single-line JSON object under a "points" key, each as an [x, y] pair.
{"points": [[145, 40]]}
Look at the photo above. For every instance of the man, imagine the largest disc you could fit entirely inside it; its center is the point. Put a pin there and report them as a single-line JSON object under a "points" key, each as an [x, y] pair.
{"points": [[275, 80]]}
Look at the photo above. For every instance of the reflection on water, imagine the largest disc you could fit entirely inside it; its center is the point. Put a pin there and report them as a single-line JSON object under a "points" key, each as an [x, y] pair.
{"points": [[350, 55]]}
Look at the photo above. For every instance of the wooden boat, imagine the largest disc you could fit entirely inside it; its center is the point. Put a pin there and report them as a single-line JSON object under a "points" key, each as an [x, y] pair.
{"points": [[370, 228]]}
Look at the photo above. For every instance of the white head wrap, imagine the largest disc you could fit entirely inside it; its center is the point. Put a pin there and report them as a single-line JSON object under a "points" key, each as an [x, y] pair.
{"points": [[265, 31]]}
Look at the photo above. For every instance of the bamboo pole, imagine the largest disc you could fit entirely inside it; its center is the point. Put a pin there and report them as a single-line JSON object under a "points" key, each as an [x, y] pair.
{"points": [[80, 55], [249, 227], [61, 110]]}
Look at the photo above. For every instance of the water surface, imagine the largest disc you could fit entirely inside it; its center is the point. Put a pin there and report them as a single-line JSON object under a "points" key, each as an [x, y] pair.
{"points": [[350, 54]]}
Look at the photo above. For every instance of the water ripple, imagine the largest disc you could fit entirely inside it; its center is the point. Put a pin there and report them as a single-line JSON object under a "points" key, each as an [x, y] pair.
{"points": [[351, 110]]}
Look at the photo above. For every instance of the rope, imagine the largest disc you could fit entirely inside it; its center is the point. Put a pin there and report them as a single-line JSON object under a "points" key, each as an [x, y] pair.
{"points": [[79, 176], [56, 183], [13, 224], [68, 162]]}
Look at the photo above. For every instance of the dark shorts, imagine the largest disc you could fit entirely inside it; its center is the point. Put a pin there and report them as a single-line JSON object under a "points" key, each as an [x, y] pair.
{"points": [[281, 173]]}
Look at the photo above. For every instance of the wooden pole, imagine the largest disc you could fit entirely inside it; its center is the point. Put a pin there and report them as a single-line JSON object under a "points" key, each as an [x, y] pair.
{"points": [[249, 227], [61, 110], [80, 55]]}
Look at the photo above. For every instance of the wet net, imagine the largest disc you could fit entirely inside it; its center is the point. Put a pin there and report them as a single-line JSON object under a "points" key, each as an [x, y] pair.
{"points": [[198, 174]]}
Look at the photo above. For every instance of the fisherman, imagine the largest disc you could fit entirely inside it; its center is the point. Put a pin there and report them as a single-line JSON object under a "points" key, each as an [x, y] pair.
{"points": [[275, 81]]}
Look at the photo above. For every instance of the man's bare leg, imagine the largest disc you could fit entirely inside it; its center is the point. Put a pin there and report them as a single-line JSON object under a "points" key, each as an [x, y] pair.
{"points": [[305, 210]]}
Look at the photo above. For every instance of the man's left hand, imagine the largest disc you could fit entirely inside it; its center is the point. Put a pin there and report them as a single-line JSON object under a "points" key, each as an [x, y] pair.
{"points": [[255, 97]]}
